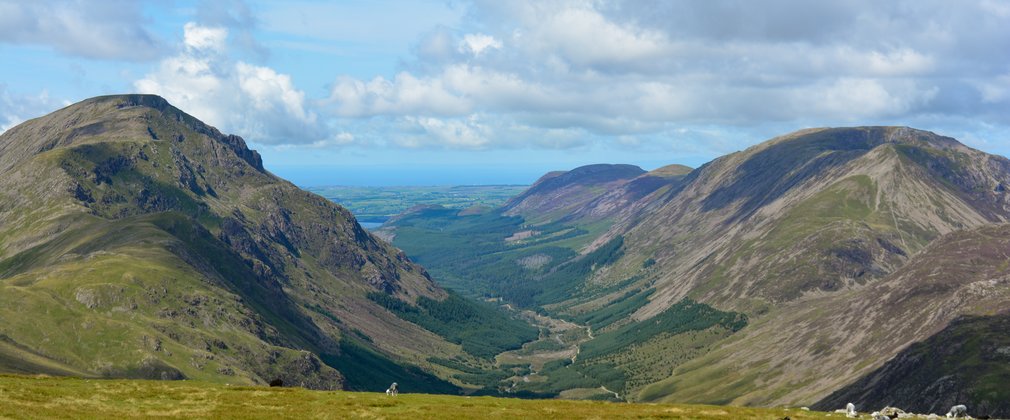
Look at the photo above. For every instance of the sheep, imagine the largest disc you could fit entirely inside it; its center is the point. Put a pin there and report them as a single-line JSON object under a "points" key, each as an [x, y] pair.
{"points": [[893, 412], [958, 411], [393, 390], [876, 415], [850, 410]]}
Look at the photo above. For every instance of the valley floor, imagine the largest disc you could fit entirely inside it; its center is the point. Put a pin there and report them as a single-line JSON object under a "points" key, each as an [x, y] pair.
{"points": [[46, 397]]}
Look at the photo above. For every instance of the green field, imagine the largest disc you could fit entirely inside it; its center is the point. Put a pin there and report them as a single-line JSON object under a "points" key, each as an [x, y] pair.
{"points": [[376, 204], [44, 397]]}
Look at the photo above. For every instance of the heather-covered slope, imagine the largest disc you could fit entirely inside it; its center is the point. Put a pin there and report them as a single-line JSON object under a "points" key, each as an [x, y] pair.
{"points": [[812, 212], [805, 350], [803, 232], [136, 241], [966, 363]]}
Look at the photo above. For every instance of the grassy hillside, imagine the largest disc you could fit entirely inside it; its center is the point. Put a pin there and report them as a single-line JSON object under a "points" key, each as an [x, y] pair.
{"points": [[139, 242], [29, 397]]}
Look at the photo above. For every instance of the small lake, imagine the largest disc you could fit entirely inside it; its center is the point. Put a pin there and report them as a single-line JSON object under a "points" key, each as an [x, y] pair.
{"points": [[370, 225]]}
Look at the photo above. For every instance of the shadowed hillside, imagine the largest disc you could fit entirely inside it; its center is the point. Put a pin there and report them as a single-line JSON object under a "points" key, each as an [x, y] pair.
{"points": [[968, 362]]}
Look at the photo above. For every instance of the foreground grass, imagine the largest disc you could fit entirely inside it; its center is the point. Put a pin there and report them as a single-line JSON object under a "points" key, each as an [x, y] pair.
{"points": [[45, 397]]}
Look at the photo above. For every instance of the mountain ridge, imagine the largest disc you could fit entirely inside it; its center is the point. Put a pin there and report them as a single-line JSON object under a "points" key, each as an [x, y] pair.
{"points": [[123, 216], [557, 192], [826, 217]]}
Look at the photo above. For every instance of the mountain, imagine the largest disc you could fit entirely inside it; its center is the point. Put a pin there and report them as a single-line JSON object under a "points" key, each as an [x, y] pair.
{"points": [[801, 261], [137, 241], [816, 211], [803, 230], [556, 193]]}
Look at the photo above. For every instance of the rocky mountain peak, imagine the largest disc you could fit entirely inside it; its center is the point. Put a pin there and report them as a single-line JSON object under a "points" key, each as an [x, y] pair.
{"points": [[132, 117]]}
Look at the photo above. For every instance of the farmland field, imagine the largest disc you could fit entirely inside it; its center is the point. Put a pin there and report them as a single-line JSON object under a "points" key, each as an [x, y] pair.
{"points": [[377, 204]]}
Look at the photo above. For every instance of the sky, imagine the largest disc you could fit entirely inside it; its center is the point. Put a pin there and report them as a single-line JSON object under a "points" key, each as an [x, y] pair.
{"points": [[416, 92]]}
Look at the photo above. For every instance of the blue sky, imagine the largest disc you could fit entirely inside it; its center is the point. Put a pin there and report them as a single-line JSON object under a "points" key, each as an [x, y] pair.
{"points": [[471, 92]]}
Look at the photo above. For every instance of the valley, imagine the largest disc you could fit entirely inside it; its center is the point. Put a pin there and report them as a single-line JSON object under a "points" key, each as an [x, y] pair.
{"points": [[821, 266], [523, 209], [761, 278], [568, 360]]}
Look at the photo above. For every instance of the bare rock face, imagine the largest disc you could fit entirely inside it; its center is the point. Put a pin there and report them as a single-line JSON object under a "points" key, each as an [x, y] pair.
{"points": [[237, 145]]}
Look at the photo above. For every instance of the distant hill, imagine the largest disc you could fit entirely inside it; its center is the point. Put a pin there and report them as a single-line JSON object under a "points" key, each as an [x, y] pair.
{"points": [[555, 193], [673, 170], [827, 241], [139, 242]]}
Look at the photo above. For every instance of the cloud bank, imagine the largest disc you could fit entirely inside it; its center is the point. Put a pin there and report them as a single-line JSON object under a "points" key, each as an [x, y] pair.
{"points": [[112, 29], [613, 70], [651, 75]]}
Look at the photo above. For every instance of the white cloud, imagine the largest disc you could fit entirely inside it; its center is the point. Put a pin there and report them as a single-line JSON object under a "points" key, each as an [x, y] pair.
{"points": [[996, 7], [478, 43], [254, 101], [202, 38], [468, 133], [404, 95], [857, 99], [583, 36], [271, 92], [898, 63]]}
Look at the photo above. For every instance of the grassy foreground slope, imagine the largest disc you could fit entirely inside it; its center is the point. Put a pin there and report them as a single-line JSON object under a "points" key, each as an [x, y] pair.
{"points": [[33, 397]]}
